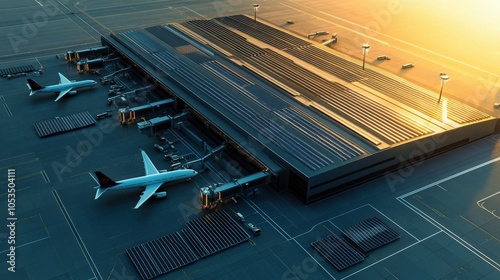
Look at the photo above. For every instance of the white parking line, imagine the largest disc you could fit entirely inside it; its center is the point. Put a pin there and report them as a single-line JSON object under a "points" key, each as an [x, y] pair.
{"points": [[393, 222], [194, 12], [441, 188], [397, 252], [447, 231], [328, 220], [480, 203]]}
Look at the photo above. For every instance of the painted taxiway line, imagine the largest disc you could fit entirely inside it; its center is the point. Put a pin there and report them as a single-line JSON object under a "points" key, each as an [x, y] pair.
{"points": [[448, 178], [393, 254], [451, 234]]}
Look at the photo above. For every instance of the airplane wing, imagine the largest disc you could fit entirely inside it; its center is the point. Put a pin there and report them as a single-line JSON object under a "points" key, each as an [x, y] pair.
{"points": [[63, 80], [148, 165], [62, 93], [148, 192]]}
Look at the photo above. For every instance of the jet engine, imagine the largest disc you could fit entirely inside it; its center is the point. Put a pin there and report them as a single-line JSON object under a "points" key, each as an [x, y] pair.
{"points": [[160, 194], [72, 92]]}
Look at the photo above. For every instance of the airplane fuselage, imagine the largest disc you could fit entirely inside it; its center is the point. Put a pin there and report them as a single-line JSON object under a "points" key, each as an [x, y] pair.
{"points": [[139, 182], [150, 183], [63, 87]]}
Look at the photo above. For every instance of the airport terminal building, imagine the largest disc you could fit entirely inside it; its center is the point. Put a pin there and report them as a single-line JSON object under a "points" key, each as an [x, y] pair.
{"points": [[310, 118]]}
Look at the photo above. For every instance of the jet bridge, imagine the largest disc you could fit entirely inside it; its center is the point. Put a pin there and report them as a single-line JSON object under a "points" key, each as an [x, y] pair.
{"points": [[75, 56], [130, 115], [215, 194], [200, 163], [106, 79], [155, 126]]}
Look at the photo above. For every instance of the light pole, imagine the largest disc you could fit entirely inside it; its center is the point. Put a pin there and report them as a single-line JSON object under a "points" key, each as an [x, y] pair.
{"points": [[365, 50], [255, 8], [444, 78]]}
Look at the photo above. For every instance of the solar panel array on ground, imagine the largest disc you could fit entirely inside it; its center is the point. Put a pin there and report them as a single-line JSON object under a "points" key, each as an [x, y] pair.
{"points": [[17, 70], [336, 251], [370, 234], [161, 255], [214, 232], [209, 234], [64, 124], [360, 239]]}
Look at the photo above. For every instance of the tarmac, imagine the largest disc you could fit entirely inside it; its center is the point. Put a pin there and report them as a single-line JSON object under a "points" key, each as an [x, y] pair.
{"points": [[444, 208]]}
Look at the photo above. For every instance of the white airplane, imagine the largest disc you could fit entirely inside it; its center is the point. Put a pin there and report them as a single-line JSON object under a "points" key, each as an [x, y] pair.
{"points": [[152, 181], [65, 86]]}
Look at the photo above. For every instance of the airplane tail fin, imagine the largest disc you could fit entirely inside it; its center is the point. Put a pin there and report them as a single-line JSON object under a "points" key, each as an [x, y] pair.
{"points": [[33, 86], [103, 183]]}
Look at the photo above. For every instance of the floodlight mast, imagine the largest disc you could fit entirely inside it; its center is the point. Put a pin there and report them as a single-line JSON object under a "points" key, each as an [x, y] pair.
{"points": [[255, 8], [444, 79], [365, 50]]}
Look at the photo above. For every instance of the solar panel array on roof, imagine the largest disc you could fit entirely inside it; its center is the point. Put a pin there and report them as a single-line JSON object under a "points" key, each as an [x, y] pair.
{"points": [[167, 36], [336, 251], [370, 234], [273, 131], [263, 32], [161, 255], [17, 70], [64, 124], [142, 40], [221, 71], [265, 98], [342, 148], [379, 119], [350, 71], [214, 232], [226, 36]]}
